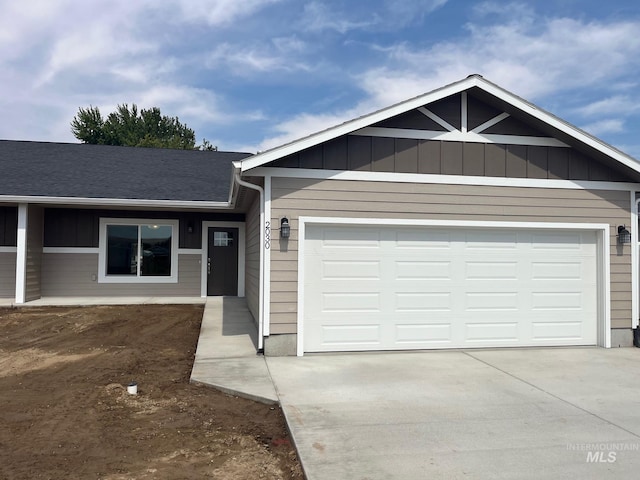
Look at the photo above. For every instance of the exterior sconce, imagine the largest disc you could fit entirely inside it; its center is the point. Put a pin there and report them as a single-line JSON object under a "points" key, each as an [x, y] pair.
{"points": [[190, 226], [624, 236], [285, 228]]}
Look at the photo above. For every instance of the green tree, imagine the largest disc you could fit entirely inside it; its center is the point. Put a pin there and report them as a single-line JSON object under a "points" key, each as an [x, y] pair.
{"points": [[131, 127]]}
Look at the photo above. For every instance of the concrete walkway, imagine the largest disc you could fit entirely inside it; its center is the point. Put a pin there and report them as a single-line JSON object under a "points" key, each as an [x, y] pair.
{"points": [[226, 356]]}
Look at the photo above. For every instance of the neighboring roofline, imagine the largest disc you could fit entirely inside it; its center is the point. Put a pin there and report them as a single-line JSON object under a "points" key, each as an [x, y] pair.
{"points": [[471, 81], [114, 202]]}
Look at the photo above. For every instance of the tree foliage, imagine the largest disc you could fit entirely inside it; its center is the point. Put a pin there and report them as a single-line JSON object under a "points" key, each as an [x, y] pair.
{"points": [[128, 126]]}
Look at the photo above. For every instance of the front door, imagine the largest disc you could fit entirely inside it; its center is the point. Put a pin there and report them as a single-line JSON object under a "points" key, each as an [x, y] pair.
{"points": [[222, 262]]}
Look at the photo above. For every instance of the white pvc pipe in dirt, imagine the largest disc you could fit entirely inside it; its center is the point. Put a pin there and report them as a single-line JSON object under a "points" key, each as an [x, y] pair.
{"points": [[132, 388]]}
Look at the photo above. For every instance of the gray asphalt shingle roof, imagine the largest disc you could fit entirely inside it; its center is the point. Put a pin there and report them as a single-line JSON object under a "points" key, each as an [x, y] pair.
{"points": [[103, 171]]}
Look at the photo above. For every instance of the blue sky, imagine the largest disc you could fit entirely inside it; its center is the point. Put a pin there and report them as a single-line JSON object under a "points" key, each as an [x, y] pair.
{"points": [[252, 74]]}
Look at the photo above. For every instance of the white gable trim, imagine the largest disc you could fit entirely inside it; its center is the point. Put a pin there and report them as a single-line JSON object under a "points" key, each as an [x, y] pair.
{"points": [[490, 123], [416, 102], [444, 179], [440, 121], [459, 136]]}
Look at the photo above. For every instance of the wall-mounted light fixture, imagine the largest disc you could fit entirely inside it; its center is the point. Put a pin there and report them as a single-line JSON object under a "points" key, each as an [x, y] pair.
{"points": [[190, 226], [624, 236], [285, 228]]}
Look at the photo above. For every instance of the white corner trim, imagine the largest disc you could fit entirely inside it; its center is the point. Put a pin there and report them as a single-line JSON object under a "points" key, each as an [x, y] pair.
{"points": [[205, 252], [91, 250], [21, 253], [8, 249], [302, 222], [604, 242], [444, 179], [635, 257], [102, 251], [603, 245], [459, 136]]}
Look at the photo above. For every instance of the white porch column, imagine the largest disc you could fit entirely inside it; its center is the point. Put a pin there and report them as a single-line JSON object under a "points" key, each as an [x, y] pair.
{"points": [[21, 253]]}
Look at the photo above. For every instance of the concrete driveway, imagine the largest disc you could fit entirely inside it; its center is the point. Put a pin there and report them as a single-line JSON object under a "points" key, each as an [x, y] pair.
{"points": [[530, 413]]}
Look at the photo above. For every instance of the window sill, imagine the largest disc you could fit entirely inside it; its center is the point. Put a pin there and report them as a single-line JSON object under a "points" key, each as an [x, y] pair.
{"points": [[136, 280]]}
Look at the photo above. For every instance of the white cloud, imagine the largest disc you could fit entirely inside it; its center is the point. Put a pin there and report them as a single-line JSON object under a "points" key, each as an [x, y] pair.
{"points": [[246, 60], [344, 17], [216, 12], [616, 105], [610, 125], [319, 17]]}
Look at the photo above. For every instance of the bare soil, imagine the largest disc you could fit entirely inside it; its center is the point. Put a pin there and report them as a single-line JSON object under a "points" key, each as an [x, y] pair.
{"points": [[65, 412]]}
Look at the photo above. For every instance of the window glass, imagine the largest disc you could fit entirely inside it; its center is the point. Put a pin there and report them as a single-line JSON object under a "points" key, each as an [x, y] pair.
{"points": [[156, 250], [122, 249], [222, 239]]}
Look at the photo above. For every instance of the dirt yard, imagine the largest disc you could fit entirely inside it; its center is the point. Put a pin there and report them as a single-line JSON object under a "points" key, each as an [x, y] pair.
{"points": [[65, 412]]}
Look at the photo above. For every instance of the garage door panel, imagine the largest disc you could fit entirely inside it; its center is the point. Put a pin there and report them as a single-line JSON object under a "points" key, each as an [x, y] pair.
{"points": [[491, 270], [422, 302], [422, 270], [422, 335], [367, 302], [414, 287], [490, 240], [492, 332], [361, 335], [412, 239], [555, 331]]}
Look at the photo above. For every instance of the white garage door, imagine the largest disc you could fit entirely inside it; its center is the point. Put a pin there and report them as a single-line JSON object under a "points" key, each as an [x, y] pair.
{"points": [[397, 288]]}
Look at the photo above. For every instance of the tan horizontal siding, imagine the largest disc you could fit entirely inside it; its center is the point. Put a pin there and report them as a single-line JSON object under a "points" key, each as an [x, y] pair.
{"points": [[7, 275], [358, 199], [70, 274]]}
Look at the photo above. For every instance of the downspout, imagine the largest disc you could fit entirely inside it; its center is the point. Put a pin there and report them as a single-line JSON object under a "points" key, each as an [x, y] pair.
{"points": [[251, 186]]}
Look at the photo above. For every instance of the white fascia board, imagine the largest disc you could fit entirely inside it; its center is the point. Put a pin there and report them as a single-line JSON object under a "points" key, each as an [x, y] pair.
{"points": [[356, 124], [427, 178], [114, 202], [458, 136]]}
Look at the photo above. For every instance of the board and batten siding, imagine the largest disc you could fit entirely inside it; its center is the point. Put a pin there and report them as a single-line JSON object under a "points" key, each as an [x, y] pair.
{"points": [[252, 263], [71, 274], [34, 252], [294, 197], [7, 274]]}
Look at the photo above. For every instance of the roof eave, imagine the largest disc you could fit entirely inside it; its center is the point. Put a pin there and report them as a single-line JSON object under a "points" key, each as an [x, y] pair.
{"points": [[114, 202]]}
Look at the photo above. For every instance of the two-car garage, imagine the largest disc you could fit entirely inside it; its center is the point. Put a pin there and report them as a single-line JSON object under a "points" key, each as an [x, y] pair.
{"points": [[414, 286]]}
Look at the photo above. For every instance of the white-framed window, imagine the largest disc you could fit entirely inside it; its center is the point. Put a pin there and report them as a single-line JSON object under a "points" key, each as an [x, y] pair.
{"points": [[135, 250]]}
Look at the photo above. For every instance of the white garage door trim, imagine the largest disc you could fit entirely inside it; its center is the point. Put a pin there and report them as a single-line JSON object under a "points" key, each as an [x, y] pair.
{"points": [[602, 247]]}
